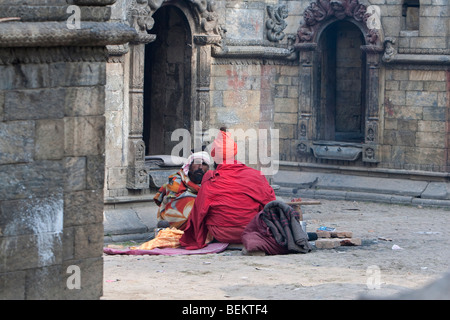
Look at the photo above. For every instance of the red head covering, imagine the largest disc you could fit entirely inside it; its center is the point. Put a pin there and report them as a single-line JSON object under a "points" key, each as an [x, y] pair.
{"points": [[224, 149]]}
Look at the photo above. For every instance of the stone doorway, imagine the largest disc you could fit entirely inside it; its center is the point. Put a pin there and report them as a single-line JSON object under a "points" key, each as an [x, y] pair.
{"points": [[167, 80], [342, 76]]}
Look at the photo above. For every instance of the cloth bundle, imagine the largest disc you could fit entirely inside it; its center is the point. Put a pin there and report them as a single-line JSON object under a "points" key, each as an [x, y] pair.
{"points": [[166, 238], [276, 230]]}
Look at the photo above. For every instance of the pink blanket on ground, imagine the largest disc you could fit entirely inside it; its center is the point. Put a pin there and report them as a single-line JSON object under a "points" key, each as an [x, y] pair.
{"points": [[210, 248]]}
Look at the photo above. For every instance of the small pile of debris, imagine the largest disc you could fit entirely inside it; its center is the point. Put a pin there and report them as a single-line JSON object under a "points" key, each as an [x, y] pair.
{"points": [[334, 239]]}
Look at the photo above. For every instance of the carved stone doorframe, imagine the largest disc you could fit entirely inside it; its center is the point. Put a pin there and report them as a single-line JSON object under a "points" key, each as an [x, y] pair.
{"points": [[203, 21], [317, 17]]}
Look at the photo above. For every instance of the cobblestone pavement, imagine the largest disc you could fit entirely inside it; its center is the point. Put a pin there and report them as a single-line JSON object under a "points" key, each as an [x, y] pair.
{"points": [[403, 248]]}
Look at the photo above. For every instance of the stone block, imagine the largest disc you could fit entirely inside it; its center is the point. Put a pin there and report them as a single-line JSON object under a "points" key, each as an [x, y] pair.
{"points": [[95, 172], [323, 234], [13, 285], [286, 105], [44, 283], [31, 216], [83, 207], [330, 243], [91, 276], [427, 140], [84, 101], [75, 178], [244, 23], [49, 139], [34, 104], [88, 241], [327, 243], [397, 98], [341, 234], [399, 138], [16, 141], [421, 98], [350, 241], [84, 135], [426, 156], [434, 114], [427, 75], [28, 180], [116, 178], [30, 251], [2, 105], [286, 118], [77, 74], [30, 76]]}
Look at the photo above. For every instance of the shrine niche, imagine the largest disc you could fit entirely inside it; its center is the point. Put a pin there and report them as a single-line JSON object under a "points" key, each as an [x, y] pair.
{"points": [[340, 44], [187, 29]]}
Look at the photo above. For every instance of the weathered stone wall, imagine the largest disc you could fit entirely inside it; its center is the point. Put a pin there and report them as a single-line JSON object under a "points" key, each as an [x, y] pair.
{"points": [[255, 81], [415, 120], [52, 145]]}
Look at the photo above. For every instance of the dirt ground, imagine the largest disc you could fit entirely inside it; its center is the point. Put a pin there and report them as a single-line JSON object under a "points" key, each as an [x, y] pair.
{"points": [[374, 269]]}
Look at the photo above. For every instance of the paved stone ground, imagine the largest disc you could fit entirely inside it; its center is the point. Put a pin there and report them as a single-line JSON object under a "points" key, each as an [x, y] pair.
{"points": [[374, 269]]}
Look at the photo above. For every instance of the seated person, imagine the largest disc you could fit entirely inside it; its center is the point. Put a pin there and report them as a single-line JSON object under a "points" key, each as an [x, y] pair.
{"points": [[176, 197], [230, 196]]}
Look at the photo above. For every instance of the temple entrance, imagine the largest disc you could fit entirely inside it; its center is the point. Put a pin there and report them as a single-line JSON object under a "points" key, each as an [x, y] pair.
{"points": [[167, 80], [341, 89]]}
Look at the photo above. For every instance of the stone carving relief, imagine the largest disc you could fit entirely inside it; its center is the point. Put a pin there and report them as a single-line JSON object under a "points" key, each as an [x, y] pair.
{"points": [[372, 132], [370, 153], [322, 10], [276, 23], [389, 49], [139, 15]]}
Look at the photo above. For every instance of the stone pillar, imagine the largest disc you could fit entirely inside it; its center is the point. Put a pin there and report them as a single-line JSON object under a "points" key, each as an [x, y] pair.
{"points": [[52, 137], [370, 151], [137, 175], [306, 118], [202, 104], [140, 18]]}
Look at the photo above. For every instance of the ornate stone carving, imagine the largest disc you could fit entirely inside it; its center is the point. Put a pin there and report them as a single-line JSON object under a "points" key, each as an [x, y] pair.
{"points": [[371, 132], [322, 10], [370, 153], [276, 24], [389, 50], [139, 15], [137, 175], [51, 34], [303, 148], [207, 15]]}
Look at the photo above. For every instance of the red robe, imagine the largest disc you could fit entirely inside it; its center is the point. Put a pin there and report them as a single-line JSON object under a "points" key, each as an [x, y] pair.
{"points": [[231, 195]]}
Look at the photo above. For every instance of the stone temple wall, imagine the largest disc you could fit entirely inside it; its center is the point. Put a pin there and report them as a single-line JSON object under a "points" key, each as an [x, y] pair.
{"points": [[256, 77], [52, 144]]}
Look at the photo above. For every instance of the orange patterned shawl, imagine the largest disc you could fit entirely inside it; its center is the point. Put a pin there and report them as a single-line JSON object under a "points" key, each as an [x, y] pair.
{"points": [[176, 199]]}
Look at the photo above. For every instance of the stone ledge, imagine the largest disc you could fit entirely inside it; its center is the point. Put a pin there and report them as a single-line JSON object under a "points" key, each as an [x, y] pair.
{"points": [[52, 34], [315, 185]]}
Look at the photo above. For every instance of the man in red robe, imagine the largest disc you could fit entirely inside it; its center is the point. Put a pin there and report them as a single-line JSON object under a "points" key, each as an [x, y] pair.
{"points": [[230, 196]]}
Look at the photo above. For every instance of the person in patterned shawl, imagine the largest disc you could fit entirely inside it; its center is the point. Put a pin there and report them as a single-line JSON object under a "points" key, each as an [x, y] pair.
{"points": [[176, 197]]}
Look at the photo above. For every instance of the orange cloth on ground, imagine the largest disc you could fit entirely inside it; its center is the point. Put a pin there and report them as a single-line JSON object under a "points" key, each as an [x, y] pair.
{"points": [[166, 238]]}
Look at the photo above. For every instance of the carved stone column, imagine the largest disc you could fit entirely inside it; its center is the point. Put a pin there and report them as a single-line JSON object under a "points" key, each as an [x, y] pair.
{"points": [[370, 151], [137, 177], [139, 16], [306, 128], [203, 63]]}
